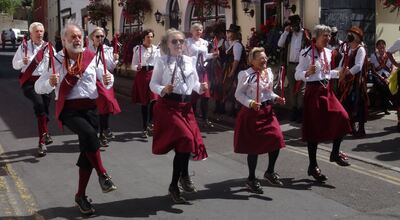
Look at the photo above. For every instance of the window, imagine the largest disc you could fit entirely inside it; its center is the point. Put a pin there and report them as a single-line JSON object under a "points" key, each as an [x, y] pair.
{"points": [[131, 27], [207, 18]]}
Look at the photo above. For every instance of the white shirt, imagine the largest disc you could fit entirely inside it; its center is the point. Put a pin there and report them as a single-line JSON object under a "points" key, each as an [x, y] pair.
{"points": [[359, 62], [246, 90], [84, 88], [320, 74], [375, 62], [295, 44], [162, 75], [33, 49], [237, 49], [395, 47], [194, 48], [108, 54], [149, 56]]}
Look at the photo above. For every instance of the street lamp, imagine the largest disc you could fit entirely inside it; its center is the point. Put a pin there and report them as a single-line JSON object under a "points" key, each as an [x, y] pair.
{"points": [[158, 16], [246, 6]]}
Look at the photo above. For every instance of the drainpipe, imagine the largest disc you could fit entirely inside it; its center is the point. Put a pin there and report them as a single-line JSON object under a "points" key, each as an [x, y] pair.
{"points": [[112, 18], [234, 12], [58, 16]]}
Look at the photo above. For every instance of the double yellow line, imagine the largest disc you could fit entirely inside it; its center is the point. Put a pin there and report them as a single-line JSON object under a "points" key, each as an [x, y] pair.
{"points": [[23, 192], [371, 173]]}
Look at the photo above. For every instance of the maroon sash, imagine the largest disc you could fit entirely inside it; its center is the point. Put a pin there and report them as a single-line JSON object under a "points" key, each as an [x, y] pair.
{"points": [[69, 82], [33, 65]]}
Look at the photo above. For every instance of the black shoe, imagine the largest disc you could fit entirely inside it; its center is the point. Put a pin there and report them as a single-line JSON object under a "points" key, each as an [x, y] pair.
{"points": [[47, 138], [84, 204], [386, 112], [316, 173], [254, 186], [42, 150], [187, 184], [108, 134], [145, 134], [208, 124], [339, 160], [103, 140], [176, 195], [273, 179], [106, 184], [150, 129]]}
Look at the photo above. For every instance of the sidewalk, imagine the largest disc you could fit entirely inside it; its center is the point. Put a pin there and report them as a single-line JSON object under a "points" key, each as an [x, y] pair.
{"points": [[379, 147]]}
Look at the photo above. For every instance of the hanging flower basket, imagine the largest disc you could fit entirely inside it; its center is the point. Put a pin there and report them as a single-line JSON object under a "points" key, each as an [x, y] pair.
{"points": [[99, 12], [392, 4], [134, 10]]}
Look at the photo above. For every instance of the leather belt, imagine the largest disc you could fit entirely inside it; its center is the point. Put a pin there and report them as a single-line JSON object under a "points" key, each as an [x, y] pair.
{"points": [[178, 97]]}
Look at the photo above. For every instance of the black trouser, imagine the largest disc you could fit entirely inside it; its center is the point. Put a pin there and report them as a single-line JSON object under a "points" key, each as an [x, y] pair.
{"points": [[147, 114], [40, 102], [84, 123], [203, 107], [103, 119]]}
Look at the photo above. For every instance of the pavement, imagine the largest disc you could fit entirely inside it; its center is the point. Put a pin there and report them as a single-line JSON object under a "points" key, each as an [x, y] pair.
{"points": [[34, 187]]}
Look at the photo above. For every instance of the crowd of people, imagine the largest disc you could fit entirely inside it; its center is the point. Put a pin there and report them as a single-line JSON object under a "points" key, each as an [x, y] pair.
{"points": [[326, 81]]}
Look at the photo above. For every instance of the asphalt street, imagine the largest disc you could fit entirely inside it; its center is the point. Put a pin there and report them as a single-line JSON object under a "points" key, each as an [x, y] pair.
{"points": [[44, 188]]}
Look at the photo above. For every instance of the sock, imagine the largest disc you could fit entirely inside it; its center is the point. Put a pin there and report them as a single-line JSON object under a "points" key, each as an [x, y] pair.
{"points": [[273, 156], [312, 154], [144, 116], [84, 176], [252, 164], [95, 161]]}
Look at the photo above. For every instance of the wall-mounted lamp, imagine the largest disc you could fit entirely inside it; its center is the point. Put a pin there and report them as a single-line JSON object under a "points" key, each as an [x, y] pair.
{"points": [[287, 6], [158, 16], [246, 6]]}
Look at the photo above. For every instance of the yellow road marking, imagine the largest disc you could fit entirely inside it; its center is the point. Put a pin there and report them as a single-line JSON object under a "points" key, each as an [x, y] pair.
{"points": [[22, 190], [371, 173]]}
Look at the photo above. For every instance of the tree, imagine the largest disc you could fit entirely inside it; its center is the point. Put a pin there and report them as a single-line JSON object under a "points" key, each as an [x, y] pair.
{"points": [[8, 6]]}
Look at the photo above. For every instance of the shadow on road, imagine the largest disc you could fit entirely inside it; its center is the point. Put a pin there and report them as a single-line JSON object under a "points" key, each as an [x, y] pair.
{"points": [[389, 149]]}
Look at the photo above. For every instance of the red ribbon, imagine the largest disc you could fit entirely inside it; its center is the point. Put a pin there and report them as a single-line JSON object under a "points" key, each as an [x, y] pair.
{"points": [[258, 87], [103, 58], [215, 41], [283, 75], [51, 54], [25, 46], [140, 54], [116, 49]]}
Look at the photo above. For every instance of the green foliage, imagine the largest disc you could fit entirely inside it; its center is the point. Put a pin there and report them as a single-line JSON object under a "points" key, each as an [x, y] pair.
{"points": [[8, 6]]}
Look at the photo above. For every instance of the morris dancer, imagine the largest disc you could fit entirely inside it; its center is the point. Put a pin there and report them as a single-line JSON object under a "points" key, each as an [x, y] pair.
{"points": [[325, 119], [74, 81], [257, 130], [28, 58], [175, 127], [143, 60], [352, 80], [198, 47], [104, 107]]}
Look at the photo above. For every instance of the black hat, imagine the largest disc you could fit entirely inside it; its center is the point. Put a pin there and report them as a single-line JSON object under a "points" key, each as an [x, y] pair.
{"points": [[234, 28], [294, 19]]}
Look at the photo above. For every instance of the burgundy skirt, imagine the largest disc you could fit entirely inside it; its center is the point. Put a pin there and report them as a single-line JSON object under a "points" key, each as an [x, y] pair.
{"points": [[106, 102], [325, 119], [203, 77], [257, 132], [141, 92], [175, 127]]}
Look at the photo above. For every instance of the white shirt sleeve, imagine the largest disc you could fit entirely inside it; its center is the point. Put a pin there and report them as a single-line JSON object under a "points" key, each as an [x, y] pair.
{"points": [[359, 62], [237, 51], [240, 93], [135, 58], [42, 85], [17, 60], [395, 47], [109, 55], [100, 77], [156, 78], [282, 39], [196, 86], [374, 60], [301, 69]]}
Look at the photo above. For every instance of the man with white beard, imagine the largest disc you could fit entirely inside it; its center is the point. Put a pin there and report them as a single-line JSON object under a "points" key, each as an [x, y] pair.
{"points": [[75, 80]]}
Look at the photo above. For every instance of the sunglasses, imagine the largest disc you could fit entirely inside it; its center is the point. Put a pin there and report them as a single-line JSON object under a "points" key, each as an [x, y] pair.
{"points": [[175, 41], [99, 36]]}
